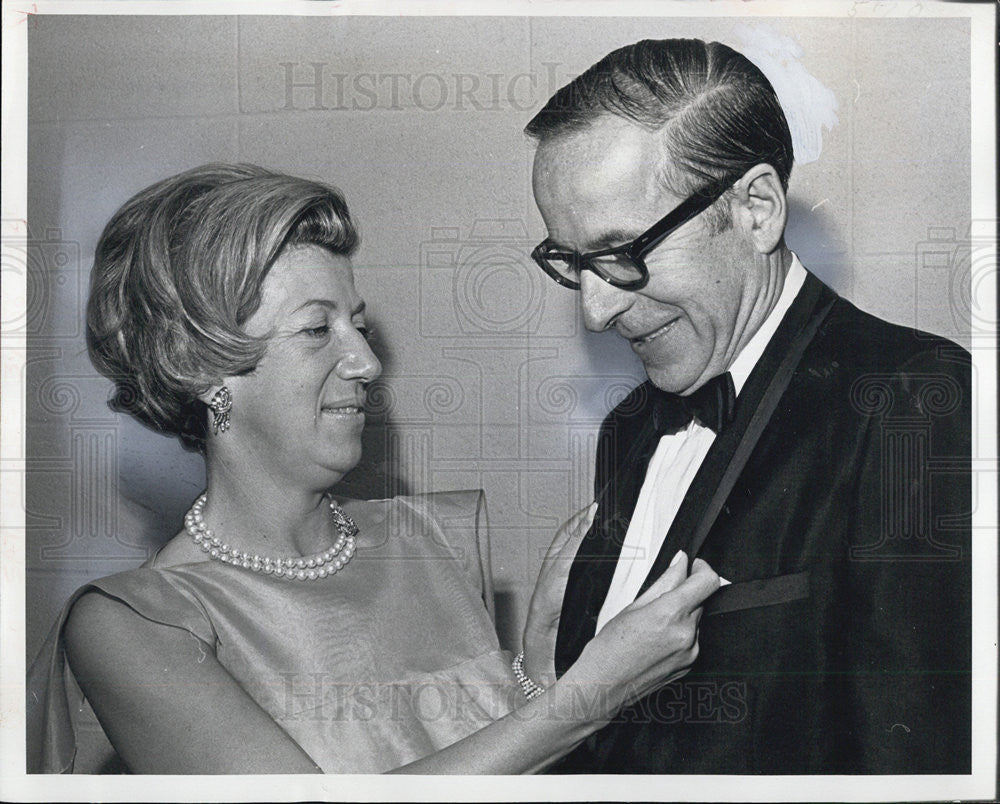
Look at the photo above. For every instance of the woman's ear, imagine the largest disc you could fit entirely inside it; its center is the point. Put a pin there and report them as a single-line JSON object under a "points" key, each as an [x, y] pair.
{"points": [[212, 387], [219, 399], [762, 207]]}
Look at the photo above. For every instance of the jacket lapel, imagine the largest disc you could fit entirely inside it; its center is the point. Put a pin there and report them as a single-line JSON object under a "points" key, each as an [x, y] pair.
{"points": [[754, 406], [626, 445], [624, 454]]}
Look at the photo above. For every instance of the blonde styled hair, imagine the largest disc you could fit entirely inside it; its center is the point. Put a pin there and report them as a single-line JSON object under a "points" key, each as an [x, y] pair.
{"points": [[177, 272]]}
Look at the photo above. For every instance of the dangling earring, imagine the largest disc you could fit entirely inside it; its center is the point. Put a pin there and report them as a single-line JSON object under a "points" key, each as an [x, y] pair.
{"points": [[220, 406]]}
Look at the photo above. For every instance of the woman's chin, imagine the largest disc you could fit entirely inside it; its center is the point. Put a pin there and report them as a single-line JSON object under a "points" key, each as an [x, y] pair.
{"points": [[341, 431], [340, 459]]}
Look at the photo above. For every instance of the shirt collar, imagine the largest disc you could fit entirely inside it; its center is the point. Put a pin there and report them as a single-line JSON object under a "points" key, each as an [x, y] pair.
{"points": [[750, 354]]}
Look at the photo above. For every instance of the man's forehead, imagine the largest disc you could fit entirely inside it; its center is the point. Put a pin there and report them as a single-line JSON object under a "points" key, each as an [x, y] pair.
{"points": [[599, 185], [610, 155]]}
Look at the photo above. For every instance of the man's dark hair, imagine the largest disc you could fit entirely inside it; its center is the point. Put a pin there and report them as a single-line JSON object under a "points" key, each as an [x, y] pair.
{"points": [[718, 114]]}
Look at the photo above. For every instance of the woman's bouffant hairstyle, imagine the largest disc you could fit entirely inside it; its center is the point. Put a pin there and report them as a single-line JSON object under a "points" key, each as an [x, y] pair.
{"points": [[177, 272], [717, 113]]}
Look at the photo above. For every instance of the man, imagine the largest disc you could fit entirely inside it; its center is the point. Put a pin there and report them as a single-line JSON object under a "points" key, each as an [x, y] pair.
{"points": [[817, 457]]}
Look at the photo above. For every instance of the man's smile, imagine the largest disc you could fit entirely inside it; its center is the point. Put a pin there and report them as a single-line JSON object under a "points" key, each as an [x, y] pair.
{"points": [[640, 341]]}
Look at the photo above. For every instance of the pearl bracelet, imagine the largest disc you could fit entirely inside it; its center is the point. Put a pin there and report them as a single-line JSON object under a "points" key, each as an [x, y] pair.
{"points": [[528, 687]]}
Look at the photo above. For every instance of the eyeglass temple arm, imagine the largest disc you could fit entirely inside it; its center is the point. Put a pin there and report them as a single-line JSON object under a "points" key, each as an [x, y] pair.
{"points": [[677, 218]]}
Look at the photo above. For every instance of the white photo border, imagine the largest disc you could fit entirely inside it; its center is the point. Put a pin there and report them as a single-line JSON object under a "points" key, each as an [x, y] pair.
{"points": [[15, 784]]}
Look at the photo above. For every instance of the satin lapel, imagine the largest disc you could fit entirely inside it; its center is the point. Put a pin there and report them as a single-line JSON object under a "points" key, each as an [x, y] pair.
{"points": [[622, 473], [728, 454]]}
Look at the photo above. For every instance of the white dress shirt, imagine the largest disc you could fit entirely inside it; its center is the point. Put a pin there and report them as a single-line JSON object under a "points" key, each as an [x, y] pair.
{"points": [[674, 465]]}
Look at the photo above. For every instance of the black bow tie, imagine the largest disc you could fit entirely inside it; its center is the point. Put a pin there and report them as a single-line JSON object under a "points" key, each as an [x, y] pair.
{"points": [[713, 405]]}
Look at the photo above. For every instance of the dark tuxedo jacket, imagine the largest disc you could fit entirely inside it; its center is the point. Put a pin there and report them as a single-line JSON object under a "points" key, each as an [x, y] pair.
{"points": [[839, 505]]}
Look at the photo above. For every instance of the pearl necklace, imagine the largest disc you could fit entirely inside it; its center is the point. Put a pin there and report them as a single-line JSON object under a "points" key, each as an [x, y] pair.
{"points": [[318, 565]]}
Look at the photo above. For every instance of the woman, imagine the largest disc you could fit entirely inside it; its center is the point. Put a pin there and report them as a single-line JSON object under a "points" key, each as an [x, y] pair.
{"points": [[279, 631]]}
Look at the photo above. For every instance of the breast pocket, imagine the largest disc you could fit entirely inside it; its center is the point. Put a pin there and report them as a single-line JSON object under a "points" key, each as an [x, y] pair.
{"points": [[762, 592]]}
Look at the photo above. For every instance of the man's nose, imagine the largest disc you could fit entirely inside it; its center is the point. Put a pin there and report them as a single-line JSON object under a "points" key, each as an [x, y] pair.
{"points": [[602, 303]]}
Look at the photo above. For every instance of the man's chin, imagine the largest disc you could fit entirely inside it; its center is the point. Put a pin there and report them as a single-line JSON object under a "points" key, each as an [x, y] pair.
{"points": [[670, 380]]}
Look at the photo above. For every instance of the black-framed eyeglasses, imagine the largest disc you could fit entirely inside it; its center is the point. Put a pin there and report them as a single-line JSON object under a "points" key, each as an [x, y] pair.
{"points": [[622, 266]]}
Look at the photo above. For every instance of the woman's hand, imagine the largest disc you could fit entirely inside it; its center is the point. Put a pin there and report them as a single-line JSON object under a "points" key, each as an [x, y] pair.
{"points": [[539, 640], [652, 642]]}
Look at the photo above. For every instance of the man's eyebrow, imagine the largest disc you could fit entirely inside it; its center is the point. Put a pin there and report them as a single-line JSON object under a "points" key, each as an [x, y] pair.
{"points": [[605, 239], [612, 237]]}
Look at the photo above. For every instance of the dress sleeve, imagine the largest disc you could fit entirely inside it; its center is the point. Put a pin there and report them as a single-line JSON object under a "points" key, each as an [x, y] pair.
{"points": [[461, 526], [63, 734]]}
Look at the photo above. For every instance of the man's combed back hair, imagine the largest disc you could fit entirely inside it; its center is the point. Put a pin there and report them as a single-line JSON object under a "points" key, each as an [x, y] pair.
{"points": [[718, 114], [178, 271]]}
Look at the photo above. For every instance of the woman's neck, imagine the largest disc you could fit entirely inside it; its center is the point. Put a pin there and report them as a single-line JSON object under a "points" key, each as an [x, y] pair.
{"points": [[252, 512]]}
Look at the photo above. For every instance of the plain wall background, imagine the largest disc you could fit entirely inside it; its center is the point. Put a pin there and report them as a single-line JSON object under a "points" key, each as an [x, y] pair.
{"points": [[490, 380]]}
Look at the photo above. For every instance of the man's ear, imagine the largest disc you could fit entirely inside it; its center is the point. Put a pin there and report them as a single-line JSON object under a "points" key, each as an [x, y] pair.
{"points": [[762, 207]]}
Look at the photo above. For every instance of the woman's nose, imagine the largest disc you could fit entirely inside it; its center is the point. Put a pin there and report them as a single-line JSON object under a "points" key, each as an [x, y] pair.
{"points": [[360, 363], [602, 303]]}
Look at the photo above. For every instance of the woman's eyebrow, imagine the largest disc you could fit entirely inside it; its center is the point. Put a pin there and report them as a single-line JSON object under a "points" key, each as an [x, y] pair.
{"points": [[331, 304], [323, 302]]}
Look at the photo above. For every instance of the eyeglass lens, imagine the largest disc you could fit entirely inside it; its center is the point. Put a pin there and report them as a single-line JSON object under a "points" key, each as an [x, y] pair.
{"points": [[615, 266], [612, 266]]}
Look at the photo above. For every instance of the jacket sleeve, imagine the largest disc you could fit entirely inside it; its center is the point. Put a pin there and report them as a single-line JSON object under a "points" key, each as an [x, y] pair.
{"points": [[908, 667]]}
